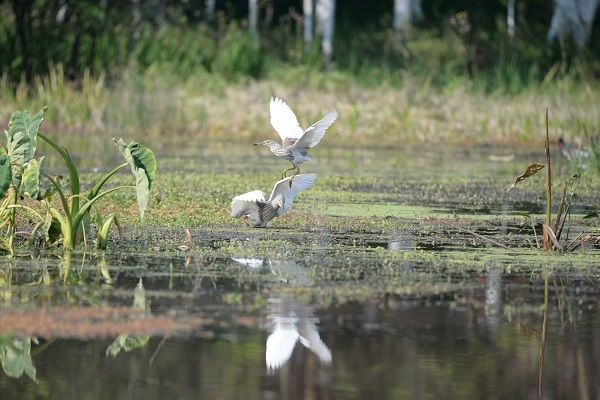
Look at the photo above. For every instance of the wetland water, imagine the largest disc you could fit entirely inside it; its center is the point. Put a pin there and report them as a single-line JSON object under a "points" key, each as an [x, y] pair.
{"points": [[380, 296]]}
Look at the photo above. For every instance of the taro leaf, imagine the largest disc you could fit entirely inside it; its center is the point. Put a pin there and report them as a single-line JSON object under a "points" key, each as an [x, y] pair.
{"points": [[5, 172], [531, 170], [143, 165], [31, 178], [15, 355], [52, 229], [21, 140]]}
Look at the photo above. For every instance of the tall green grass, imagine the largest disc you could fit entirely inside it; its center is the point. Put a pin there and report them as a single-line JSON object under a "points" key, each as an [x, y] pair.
{"points": [[386, 107]]}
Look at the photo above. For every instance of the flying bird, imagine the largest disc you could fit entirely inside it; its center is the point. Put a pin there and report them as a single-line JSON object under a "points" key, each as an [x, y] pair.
{"points": [[260, 211], [295, 142]]}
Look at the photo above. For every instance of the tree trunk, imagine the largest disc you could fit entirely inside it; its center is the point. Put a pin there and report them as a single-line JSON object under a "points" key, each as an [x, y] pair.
{"points": [[510, 19], [574, 18], [210, 10], [405, 12], [325, 12], [253, 18], [307, 7]]}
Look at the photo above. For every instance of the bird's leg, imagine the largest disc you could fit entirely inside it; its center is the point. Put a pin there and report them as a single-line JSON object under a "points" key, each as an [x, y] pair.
{"points": [[297, 172], [284, 173]]}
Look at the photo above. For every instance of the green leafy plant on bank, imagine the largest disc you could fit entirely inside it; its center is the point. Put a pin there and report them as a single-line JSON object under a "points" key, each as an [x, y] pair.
{"points": [[21, 174]]}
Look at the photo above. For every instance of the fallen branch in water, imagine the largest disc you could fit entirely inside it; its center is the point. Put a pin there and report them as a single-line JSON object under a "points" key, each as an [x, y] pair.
{"points": [[492, 241]]}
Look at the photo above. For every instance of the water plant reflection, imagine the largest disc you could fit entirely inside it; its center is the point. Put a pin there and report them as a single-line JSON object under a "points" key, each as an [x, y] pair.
{"points": [[126, 342], [15, 356]]}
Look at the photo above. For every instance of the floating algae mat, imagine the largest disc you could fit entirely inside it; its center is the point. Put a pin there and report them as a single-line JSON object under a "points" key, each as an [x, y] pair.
{"points": [[384, 282]]}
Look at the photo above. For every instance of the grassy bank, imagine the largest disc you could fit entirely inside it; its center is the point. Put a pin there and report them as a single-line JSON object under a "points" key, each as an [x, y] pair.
{"points": [[385, 108]]}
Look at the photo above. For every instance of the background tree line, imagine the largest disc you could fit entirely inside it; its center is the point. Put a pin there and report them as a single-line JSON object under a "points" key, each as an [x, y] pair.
{"points": [[244, 37]]}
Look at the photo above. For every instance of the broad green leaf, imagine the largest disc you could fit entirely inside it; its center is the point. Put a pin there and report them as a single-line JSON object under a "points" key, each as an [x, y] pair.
{"points": [[21, 140], [15, 355], [531, 170], [30, 184], [143, 165], [5, 172], [23, 146]]}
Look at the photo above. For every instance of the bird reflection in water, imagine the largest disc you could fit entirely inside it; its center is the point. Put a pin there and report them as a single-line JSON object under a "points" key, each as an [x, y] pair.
{"points": [[290, 323]]}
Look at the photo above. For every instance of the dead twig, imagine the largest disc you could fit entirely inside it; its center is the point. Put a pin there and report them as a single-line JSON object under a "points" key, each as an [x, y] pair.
{"points": [[487, 239]]}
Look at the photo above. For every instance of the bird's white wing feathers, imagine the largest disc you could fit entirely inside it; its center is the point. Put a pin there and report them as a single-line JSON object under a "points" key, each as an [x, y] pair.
{"points": [[255, 195], [283, 189], [309, 337], [283, 120], [245, 204], [280, 345], [313, 135]]}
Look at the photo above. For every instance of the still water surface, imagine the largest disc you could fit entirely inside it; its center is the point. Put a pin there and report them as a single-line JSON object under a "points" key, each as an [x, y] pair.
{"points": [[256, 339], [139, 326]]}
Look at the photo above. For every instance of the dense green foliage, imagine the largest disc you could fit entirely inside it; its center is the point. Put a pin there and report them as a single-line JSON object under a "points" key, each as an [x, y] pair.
{"points": [[453, 38]]}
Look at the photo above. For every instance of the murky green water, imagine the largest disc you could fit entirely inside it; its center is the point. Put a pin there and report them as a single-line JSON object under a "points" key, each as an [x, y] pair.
{"points": [[404, 308]]}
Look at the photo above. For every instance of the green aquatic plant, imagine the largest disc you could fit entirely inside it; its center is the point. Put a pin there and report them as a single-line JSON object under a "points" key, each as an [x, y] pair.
{"points": [[19, 170], [76, 207], [21, 174], [551, 233]]}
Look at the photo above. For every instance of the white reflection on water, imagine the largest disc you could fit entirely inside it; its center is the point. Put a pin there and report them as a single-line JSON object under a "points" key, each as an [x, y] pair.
{"points": [[250, 262], [290, 323]]}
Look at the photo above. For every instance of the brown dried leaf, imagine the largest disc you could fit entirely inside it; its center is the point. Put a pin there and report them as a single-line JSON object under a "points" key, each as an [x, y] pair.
{"points": [[531, 170], [549, 233]]}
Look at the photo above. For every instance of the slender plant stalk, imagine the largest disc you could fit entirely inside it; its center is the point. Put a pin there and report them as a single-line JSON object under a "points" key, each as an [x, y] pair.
{"points": [[561, 207], [537, 242], [544, 336], [31, 210], [73, 175], [96, 189], [13, 223], [547, 243]]}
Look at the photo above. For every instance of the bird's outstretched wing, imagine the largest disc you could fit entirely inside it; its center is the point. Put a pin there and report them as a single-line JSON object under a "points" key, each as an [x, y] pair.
{"points": [[280, 345], [309, 337], [283, 120], [313, 135], [282, 188], [246, 205]]}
